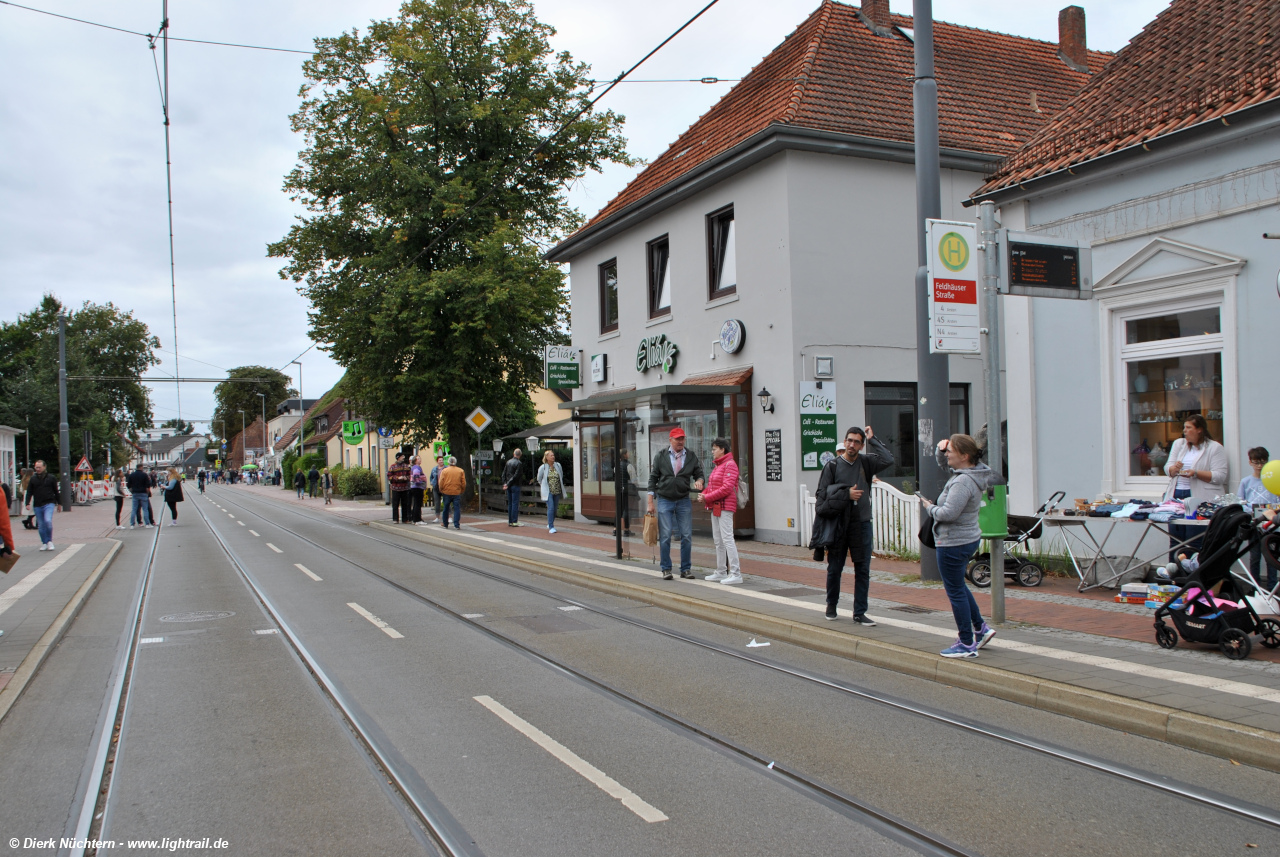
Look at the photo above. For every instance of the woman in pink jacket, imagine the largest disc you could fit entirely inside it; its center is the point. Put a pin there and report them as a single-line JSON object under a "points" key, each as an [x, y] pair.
{"points": [[721, 499]]}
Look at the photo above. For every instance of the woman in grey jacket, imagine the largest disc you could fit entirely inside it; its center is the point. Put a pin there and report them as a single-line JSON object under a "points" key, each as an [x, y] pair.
{"points": [[956, 533]]}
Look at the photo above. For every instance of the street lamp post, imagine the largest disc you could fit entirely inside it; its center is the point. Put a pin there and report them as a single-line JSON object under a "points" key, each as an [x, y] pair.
{"points": [[243, 439], [302, 411], [263, 397]]}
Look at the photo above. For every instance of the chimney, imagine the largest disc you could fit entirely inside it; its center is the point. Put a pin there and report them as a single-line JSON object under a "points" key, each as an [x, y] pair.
{"points": [[1071, 43], [876, 13]]}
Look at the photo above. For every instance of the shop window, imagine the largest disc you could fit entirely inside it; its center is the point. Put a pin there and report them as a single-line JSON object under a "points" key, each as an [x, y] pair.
{"points": [[722, 263], [891, 412], [609, 296], [659, 252]]}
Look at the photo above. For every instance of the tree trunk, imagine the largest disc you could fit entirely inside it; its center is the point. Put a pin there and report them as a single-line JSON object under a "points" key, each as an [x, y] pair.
{"points": [[460, 437]]}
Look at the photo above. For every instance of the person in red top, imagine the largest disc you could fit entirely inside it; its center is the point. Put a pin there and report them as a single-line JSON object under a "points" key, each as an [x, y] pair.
{"points": [[6, 528], [721, 499], [398, 476]]}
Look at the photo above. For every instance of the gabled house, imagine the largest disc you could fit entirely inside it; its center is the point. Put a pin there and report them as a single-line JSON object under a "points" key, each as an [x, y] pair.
{"points": [[1168, 162], [772, 249], [170, 450]]}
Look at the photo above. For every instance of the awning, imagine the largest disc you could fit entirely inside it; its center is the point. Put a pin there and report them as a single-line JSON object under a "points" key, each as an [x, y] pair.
{"points": [[558, 430]]}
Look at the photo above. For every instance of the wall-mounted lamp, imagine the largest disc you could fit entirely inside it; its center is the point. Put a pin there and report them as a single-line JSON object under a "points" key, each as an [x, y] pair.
{"points": [[766, 400]]}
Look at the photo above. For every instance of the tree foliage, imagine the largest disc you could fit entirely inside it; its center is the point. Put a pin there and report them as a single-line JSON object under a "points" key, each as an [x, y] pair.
{"points": [[434, 310], [232, 397], [102, 341], [179, 426]]}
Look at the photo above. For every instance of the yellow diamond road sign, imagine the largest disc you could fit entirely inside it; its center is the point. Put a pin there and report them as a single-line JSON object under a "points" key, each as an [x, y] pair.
{"points": [[479, 420]]}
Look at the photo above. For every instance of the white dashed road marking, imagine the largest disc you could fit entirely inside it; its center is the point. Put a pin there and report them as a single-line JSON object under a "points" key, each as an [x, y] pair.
{"points": [[308, 572], [274, 548], [255, 532], [145, 640], [590, 772], [383, 626], [241, 523]]}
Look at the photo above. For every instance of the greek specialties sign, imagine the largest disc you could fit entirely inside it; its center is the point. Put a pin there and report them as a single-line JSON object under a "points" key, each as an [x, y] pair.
{"points": [[818, 429], [656, 352], [562, 367]]}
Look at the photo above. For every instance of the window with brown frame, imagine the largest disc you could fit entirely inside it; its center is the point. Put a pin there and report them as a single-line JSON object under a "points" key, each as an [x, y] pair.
{"points": [[609, 296], [722, 263], [659, 277]]}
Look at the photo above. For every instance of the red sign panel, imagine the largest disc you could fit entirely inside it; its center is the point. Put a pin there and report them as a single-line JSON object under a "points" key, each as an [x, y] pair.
{"points": [[955, 291]]}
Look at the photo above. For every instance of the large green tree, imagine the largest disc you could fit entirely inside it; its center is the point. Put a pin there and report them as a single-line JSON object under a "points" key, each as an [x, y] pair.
{"points": [[103, 342], [420, 250], [233, 396]]}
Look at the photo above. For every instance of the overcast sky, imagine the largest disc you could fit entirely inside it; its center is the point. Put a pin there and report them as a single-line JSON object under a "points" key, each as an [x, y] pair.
{"points": [[82, 180]]}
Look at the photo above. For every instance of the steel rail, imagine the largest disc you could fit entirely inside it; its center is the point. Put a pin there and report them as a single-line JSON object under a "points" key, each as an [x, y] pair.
{"points": [[884, 823], [1259, 814], [447, 834]]}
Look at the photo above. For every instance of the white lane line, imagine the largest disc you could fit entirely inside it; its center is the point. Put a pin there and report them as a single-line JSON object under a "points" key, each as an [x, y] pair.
{"points": [[383, 626], [28, 583], [255, 532], [472, 615], [569, 608], [229, 515], [308, 572], [241, 523], [1236, 688], [146, 640], [274, 548], [268, 631], [591, 773]]}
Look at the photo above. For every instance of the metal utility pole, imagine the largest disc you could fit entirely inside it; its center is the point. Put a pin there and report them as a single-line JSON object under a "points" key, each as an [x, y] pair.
{"points": [[64, 430], [933, 404], [991, 379], [302, 411]]}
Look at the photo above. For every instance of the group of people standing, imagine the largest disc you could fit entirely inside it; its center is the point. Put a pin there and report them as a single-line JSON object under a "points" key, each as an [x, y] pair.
{"points": [[550, 479], [409, 484], [137, 486], [314, 482]]}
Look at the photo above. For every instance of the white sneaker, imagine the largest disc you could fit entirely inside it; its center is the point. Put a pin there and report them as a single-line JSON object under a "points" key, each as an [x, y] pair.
{"points": [[51, 547], [119, 526], [551, 529], [716, 577], [44, 547], [731, 580]]}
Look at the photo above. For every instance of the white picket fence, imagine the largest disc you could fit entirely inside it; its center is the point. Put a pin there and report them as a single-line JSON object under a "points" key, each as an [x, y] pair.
{"points": [[895, 518]]}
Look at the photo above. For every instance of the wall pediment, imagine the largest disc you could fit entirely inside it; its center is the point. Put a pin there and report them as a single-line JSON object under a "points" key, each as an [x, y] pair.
{"points": [[1165, 261]]}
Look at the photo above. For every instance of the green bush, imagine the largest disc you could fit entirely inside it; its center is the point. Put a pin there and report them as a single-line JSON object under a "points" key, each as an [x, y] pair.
{"points": [[357, 481]]}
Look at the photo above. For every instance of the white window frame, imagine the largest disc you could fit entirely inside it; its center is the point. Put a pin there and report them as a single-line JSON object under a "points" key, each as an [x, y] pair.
{"points": [[1162, 295]]}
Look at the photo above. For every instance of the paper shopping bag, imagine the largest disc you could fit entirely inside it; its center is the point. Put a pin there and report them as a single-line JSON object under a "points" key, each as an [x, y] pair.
{"points": [[650, 529]]}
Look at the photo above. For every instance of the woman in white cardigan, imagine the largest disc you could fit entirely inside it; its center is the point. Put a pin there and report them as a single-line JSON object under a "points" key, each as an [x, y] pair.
{"points": [[1198, 471], [551, 479]]}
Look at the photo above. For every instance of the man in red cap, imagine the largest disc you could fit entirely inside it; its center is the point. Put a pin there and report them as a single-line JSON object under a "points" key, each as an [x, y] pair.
{"points": [[675, 471]]}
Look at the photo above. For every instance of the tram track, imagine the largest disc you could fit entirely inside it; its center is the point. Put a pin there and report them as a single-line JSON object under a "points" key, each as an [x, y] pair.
{"points": [[1146, 780]]}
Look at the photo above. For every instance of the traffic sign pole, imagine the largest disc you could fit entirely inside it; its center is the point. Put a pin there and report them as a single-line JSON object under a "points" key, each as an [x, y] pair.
{"points": [[991, 378]]}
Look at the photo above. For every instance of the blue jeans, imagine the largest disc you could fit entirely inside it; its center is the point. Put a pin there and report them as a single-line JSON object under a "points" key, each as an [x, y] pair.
{"points": [[675, 513], [951, 565], [1182, 532], [454, 500], [44, 521], [553, 500], [861, 568], [140, 505], [513, 503]]}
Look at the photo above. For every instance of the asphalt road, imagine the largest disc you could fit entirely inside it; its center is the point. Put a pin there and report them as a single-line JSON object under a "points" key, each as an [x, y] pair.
{"points": [[228, 735]]}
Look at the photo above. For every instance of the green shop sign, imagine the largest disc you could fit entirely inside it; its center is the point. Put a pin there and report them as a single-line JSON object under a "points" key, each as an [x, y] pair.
{"points": [[353, 431], [562, 368], [656, 352], [819, 432]]}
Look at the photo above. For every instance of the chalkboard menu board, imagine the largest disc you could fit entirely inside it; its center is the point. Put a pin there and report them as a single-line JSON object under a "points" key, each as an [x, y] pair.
{"points": [[773, 455]]}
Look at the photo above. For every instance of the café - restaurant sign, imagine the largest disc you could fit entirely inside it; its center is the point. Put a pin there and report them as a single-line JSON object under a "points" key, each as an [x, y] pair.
{"points": [[562, 367], [656, 352]]}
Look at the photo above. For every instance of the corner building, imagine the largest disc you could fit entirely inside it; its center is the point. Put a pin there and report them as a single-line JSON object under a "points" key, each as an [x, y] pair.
{"points": [[772, 247]]}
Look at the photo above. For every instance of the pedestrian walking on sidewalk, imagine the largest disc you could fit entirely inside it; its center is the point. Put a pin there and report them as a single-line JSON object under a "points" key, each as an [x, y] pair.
{"points": [[173, 494], [551, 480], [326, 482], [43, 498], [956, 534], [299, 483], [512, 476], [118, 492], [721, 499], [675, 472], [313, 481], [417, 487], [398, 482], [453, 482], [864, 456], [139, 485]]}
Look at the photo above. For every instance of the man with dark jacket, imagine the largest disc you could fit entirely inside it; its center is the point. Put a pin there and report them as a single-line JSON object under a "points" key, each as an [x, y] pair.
{"points": [[313, 480], [675, 470], [512, 476], [854, 534], [398, 476], [43, 497], [299, 482], [139, 485]]}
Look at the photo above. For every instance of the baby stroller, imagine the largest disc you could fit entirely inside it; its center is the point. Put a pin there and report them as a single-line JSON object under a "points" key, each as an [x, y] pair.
{"points": [[1218, 605], [1022, 529]]}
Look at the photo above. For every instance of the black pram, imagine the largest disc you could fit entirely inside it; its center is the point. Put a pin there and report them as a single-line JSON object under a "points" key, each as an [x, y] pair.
{"points": [[1216, 605]]}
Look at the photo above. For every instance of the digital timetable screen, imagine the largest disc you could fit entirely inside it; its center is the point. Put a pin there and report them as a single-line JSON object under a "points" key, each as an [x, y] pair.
{"points": [[1044, 265]]}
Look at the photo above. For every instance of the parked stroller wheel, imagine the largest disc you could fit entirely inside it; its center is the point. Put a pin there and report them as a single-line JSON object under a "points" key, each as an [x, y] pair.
{"points": [[1269, 630], [979, 573], [1166, 637], [1030, 574], [1235, 644]]}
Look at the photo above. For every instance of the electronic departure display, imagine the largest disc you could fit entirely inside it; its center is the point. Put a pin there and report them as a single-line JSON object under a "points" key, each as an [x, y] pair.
{"points": [[1041, 266], [1044, 265]]}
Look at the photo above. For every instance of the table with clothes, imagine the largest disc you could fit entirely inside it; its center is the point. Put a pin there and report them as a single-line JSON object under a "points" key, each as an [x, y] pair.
{"points": [[1088, 553]]}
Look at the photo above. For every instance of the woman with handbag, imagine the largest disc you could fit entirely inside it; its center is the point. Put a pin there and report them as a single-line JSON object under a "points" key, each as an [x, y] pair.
{"points": [[173, 495], [118, 494], [954, 521], [721, 499], [551, 480]]}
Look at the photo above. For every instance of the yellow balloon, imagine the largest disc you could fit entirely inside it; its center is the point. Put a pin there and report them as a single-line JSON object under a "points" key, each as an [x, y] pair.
{"points": [[1271, 476]]}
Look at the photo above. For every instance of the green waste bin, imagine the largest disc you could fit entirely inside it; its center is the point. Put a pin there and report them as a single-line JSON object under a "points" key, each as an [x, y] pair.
{"points": [[993, 515]]}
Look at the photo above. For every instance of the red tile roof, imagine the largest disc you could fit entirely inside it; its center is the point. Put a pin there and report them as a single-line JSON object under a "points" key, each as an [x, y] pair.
{"points": [[725, 378], [1198, 61], [835, 74]]}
